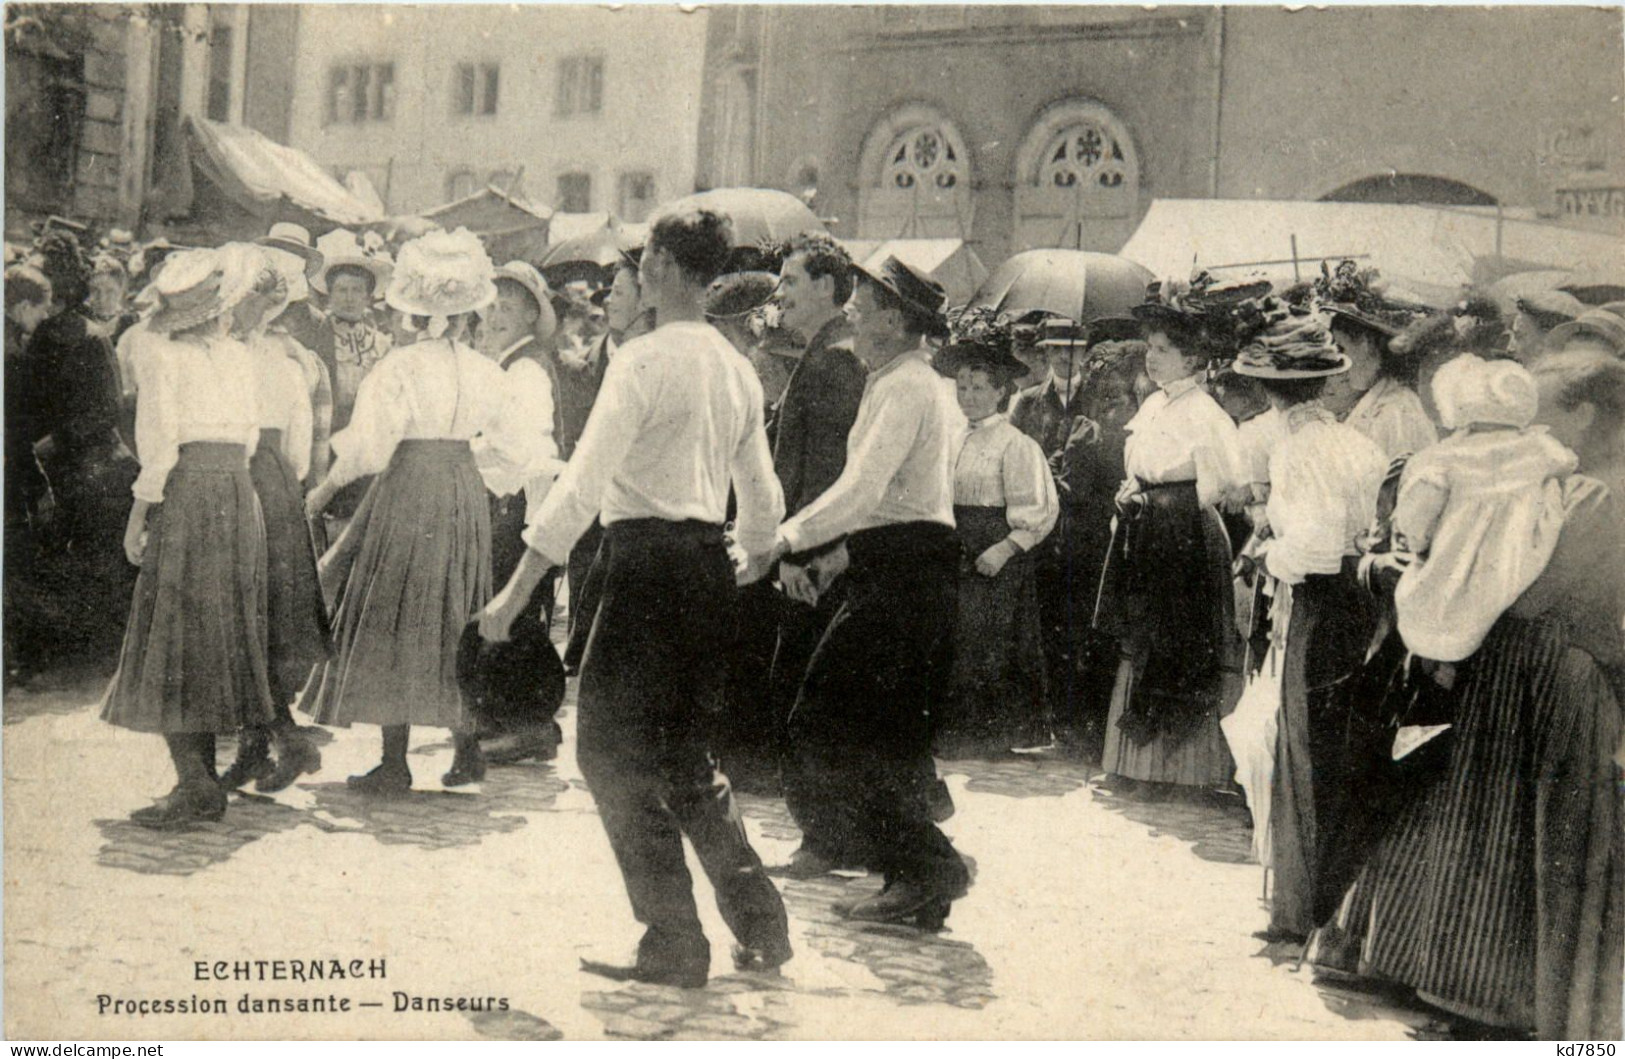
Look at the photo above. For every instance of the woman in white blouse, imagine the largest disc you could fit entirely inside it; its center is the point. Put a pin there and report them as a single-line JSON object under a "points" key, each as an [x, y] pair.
{"points": [[1167, 592], [1004, 505], [1323, 482], [193, 663], [415, 564], [298, 636], [1378, 394]]}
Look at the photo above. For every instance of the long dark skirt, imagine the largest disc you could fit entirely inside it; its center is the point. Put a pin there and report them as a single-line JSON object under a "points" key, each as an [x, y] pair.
{"points": [[998, 692], [1169, 600], [298, 636], [194, 654], [1500, 894], [1321, 757], [421, 569], [859, 769]]}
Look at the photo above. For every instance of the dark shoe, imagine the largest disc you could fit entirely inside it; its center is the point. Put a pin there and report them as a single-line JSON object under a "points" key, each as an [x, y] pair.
{"points": [[540, 743], [467, 765], [762, 957], [906, 902], [940, 802], [295, 757], [682, 977], [182, 807], [803, 864], [384, 781], [253, 763]]}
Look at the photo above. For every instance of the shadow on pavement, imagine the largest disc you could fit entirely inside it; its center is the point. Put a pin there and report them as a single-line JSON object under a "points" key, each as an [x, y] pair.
{"points": [[1213, 827]]}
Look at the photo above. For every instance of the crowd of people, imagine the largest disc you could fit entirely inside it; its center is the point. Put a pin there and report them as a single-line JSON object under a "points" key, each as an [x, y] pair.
{"points": [[1355, 558]]}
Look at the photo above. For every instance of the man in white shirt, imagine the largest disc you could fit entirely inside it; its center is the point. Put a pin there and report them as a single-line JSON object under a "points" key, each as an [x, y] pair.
{"points": [[679, 419], [860, 732]]}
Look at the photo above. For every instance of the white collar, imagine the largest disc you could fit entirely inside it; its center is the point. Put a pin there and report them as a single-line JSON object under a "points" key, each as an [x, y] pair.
{"points": [[502, 358]]}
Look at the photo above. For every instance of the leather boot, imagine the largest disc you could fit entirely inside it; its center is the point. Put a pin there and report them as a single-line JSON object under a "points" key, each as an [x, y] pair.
{"points": [[467, 764]]}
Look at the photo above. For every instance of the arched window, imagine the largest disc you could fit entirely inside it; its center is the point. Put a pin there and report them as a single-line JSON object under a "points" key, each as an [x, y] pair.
{"points": [[917, 178], [1077, 180]]}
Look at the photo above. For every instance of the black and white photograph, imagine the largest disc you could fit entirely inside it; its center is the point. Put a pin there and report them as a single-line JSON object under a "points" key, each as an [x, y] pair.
{"points": [[792, 522]]}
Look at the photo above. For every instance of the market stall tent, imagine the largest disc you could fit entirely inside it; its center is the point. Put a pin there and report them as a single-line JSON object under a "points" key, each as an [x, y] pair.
{"points": [[242, 182], [1428, 253], [511, 226]]}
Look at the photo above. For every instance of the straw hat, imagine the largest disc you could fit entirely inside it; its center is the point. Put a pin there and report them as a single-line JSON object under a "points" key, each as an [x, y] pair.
{"points": [[294, 239], [923, 298], [340, 248], [739, 294], [442, 274], [189, 291], [1604, 323], [520, 272]]}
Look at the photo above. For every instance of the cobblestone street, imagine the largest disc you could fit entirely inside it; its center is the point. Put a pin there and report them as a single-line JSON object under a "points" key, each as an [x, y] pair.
{"points": [[1086, 918]]}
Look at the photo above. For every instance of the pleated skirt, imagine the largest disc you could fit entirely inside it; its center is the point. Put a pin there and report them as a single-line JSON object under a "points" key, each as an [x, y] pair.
{"points": [[421, 568], [194, 652], [298, 636], [1500, 894]]}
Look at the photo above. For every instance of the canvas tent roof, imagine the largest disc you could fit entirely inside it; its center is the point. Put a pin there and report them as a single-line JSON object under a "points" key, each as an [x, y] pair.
{"points": [[491, 211], [1426, 252], [951, 262], [267, 180]]}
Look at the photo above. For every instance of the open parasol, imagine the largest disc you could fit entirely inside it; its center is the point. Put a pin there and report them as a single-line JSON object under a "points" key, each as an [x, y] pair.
{"points": [[758, 214], [1078, 284], [586, 256]]}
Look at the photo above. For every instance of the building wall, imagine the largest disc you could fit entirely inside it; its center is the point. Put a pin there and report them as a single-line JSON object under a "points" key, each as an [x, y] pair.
{"points": [[1507, 101], [1235, 102], [648, 121], [272, 51]]}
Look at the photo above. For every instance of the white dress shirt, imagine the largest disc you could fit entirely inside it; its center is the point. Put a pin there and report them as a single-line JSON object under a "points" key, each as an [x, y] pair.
{"points": [[1180, 434], [1324, 477], [678, 418], [899, 458], [283, 400], [999, 466], [189, 391]]}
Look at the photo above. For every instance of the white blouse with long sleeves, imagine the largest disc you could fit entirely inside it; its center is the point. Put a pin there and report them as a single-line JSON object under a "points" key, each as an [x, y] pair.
{"points": [[999, 466], [1392, 415], [1180, 434], [531, 459], [1487, 508], [1324, 478], [283, 400], [436, 389], [189, 391]]}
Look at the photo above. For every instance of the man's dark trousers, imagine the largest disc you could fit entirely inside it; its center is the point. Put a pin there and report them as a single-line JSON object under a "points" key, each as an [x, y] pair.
{"points": [[860, 733], [655, 664]]}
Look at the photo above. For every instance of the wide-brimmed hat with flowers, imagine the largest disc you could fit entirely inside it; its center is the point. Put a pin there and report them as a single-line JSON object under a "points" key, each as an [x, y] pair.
{"points": [[1359, 296], [196, 286], [980, 338], [1292, 342], [442, 274], [1203, 307], [341, 248]]}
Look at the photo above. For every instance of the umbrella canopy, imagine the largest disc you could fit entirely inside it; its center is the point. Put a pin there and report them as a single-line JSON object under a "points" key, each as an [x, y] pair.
{"points": [[587, 256], [758, 214], [1593, 286], [1078, 284]]}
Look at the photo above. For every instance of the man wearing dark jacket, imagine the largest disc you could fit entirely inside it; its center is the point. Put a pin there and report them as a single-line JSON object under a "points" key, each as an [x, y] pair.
{"points": [[815, 415]]}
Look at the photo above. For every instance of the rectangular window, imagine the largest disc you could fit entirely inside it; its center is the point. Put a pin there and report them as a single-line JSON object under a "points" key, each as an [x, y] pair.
{"points": [[475, 90], [575, 193], [580, 86], [636, 197], [361, 92]]}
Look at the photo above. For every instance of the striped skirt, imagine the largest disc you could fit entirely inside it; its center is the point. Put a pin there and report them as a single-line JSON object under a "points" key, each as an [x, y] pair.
{"points": [[194, 654], [419, 567], [1500, 894], [296, 627]]}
